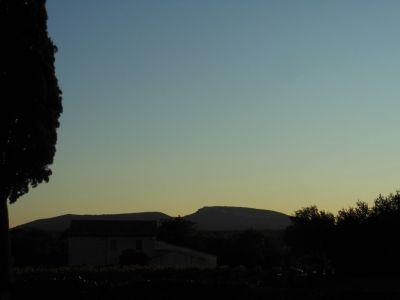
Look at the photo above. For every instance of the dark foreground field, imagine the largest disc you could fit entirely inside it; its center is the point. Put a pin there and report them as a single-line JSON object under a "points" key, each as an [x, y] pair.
{"points": [[189, 283]]}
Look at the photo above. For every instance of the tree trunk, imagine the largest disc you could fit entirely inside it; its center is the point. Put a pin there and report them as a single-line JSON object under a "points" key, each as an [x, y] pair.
{"points": [[6, 278]]}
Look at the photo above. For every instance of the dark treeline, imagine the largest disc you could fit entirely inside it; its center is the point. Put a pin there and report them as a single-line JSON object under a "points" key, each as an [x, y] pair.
{"points": [[358, 241]]}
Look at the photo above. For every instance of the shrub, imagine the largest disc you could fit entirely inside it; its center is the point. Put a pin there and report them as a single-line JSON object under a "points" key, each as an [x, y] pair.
{"points": [[133, 257]]}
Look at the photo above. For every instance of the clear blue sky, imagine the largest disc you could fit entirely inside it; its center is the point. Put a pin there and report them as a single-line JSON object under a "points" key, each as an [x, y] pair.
{"points": [[174, 105]]}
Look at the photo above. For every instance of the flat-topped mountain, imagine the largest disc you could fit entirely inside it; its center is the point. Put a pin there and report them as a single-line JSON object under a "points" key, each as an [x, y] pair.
{"points": [[238, 218], [207, 218]]}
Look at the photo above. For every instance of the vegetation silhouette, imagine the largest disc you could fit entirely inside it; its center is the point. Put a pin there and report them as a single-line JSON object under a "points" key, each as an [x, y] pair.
{"points": [[38, 248], [177, 231], [311, 234], [29, 110], [249, 248], [366, 238], [358, 241]]}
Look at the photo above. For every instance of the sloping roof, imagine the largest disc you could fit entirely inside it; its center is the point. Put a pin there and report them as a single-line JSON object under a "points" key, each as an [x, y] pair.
{"points": [[112, 228]]}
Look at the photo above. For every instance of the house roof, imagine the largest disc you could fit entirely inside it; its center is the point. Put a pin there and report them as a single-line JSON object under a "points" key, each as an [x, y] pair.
{"points": [[112, 228]]}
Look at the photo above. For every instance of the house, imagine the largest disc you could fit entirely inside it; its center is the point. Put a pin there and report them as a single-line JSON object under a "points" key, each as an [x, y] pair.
{"points": [[100, 242]]}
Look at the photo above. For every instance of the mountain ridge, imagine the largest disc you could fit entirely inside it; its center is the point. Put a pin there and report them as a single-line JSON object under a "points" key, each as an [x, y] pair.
{"points": [[238, 218], [208, 218]]}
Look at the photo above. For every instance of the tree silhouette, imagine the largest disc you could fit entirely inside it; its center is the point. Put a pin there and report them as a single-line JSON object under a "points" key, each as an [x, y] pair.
{"points": [[351, 239], [359, 241], [365, 238], [29, 110], [311, 233], [176, 231]]}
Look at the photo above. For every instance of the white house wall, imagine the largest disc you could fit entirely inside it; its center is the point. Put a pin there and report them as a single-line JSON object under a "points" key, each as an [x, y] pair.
{"points": [[86, 251], [96, 251]]}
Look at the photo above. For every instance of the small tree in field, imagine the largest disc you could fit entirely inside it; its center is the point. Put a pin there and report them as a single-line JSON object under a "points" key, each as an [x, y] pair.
{"points": [[30, 108]]}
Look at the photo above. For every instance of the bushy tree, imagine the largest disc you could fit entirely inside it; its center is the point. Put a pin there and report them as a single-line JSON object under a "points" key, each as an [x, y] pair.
{"points": [[360, 240], [351, 237], [311, 234], [176, 231], [311, 231], [30, 108], [354, 216], [365, 238]]}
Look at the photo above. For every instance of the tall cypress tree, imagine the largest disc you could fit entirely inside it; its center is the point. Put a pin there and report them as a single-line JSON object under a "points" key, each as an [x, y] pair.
{"points": [[30, 107]]}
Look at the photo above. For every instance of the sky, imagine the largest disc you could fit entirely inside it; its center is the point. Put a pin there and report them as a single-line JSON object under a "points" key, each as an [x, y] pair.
{"points": [[171, 106]]}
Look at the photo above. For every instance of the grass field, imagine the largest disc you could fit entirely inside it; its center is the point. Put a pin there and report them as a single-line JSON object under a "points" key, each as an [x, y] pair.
{"points": [[188, 283]]}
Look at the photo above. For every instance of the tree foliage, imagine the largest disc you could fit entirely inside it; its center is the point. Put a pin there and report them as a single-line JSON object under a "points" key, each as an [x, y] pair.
{"points": [[360, 240], [176, 231], [30, 109], [365, 237], [31, 98], [311, 231]]}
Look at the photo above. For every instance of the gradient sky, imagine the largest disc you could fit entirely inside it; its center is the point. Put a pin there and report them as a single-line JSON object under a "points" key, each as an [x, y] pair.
{"points": [[174, 105]]}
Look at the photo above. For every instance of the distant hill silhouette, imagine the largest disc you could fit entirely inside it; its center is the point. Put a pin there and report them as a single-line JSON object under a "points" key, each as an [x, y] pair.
{"points": [[238, 218], [207, 218], [61, 223]]}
